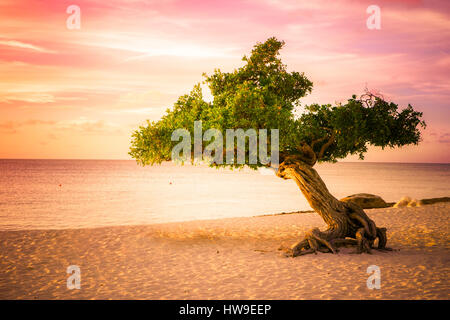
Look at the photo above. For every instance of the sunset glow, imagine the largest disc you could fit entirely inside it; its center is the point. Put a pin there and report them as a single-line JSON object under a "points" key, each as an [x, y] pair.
{"points": [[78, 94]]}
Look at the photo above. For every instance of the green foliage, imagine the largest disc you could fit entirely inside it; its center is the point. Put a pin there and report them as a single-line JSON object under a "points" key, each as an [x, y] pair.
{"points": [[263, 95]]}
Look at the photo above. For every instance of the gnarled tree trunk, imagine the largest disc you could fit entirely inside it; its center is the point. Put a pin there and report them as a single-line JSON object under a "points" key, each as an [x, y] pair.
{"points": [[347, 223]]}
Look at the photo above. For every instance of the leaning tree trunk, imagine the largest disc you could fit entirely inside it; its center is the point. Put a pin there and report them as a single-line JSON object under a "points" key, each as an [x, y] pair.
{"points": [[347, 223]]}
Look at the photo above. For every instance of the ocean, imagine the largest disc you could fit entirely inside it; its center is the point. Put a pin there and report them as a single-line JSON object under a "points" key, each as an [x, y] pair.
{"points": [[62, 194]]}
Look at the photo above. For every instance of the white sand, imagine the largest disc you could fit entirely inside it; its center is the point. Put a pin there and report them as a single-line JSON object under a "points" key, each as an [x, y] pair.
{"points": [[234, 258]]}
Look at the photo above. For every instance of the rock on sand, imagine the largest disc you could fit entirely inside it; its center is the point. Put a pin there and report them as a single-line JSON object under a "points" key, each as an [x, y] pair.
{"points": [[366, 200]]}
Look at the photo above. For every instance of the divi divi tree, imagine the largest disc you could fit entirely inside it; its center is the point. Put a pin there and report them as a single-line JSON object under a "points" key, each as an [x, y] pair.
{"points": [[262, 94]]}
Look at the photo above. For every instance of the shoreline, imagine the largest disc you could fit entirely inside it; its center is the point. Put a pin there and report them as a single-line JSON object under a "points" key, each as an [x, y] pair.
{"points": [[425, 202], [389, 205], [231, 258]]}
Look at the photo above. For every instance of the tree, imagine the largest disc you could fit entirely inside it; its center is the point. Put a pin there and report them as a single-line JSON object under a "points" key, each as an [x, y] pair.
{"points": [[263, 94]]}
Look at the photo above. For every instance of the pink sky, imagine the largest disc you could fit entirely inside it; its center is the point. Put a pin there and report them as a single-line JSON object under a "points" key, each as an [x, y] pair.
{"points": [[80, 93]]}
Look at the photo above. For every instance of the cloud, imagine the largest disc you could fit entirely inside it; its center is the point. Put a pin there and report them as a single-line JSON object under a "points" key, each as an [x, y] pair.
{"points": [[81, 125], [8, 127], [437, 137], [190, 51], [146, 99], [23, 45], [294, 5], [89, 126], [444, 138], [11, 127], [29, 97], [135, 111]]}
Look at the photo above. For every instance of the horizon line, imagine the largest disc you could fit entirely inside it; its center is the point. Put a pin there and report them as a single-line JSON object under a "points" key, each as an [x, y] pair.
{"points": [[100, 159]]}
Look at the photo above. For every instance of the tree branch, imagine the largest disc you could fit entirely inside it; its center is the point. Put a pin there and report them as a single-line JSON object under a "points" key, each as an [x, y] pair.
{"points": [[304, 153], [309, 151], [317, 141], [326, 145]]}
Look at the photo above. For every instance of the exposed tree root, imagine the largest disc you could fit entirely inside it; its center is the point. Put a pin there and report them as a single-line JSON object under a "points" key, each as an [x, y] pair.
{"points": [[317, 241], [348, 224]]}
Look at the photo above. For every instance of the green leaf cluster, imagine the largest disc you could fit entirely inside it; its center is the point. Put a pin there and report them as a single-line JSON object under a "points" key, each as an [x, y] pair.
{"points": [[262, 94]]}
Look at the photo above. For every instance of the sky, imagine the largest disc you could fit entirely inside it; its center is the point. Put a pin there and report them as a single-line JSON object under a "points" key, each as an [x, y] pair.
{"points": [[70, 93]]}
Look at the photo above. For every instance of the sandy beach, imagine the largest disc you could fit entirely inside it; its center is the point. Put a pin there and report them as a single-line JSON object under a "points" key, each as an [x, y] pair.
{"points": [[235, 258]]}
